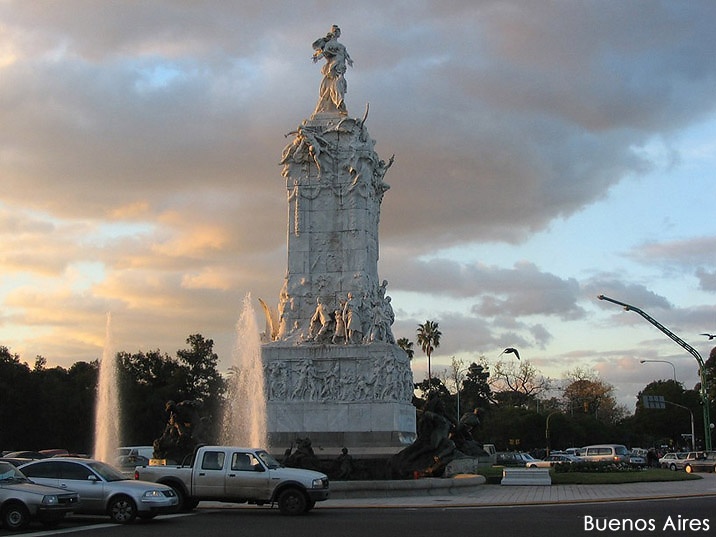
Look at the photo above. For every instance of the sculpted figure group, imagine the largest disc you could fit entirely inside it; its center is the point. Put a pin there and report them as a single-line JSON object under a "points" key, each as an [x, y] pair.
{"points": [[440, 439], [354, 321], [184, 430], [307, 380]]}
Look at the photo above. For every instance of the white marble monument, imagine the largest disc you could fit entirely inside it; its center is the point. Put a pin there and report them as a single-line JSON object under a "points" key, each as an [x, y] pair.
{"points": [[333, 371]]}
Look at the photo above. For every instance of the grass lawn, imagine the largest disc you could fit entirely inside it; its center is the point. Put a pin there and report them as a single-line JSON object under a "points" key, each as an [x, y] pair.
{"points": [[494, 473], [610, 478]]}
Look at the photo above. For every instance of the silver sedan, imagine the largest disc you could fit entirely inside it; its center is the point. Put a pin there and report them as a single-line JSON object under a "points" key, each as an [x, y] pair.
{"points": [[103, 489], [22, 500]]}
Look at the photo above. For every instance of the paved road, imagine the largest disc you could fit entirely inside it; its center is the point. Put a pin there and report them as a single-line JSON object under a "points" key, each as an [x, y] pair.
{"points": [[519, 510], [665, 517]]}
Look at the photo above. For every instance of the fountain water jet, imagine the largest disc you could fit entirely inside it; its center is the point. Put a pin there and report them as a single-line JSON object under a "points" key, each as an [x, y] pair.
{"points": [[244, 421], [107, 414]]}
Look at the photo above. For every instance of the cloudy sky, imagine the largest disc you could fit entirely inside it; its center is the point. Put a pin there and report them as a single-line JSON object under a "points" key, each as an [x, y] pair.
{"points": [[546, 152]]}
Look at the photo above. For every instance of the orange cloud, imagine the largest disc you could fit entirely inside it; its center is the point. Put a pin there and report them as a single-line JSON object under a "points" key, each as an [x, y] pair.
{"points": [[130, 210]]}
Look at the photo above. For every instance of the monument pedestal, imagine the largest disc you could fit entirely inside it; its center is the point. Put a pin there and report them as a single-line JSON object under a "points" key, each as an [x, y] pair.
{"points": [[354, 396]]}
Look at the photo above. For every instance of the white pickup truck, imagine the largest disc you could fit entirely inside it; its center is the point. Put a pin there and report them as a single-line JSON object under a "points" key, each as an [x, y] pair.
{"points": [[239, 475]]}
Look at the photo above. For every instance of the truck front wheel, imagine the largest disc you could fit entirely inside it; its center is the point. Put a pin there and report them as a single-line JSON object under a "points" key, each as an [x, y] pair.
{"points": [[186, 503], [292, 502]]}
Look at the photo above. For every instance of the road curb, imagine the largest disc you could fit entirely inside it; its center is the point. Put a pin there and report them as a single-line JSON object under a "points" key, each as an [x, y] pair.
{"points": [[432, 486]]}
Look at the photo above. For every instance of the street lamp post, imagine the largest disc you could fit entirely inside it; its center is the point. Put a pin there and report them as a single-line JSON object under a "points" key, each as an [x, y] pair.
{"points": [[693, 436], [703, 391], [663, 362], [546, 430], [457, 392]]}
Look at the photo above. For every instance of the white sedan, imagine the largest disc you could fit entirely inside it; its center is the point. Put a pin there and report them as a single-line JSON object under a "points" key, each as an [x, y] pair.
{"points": [[103, 489], [673, 461]]}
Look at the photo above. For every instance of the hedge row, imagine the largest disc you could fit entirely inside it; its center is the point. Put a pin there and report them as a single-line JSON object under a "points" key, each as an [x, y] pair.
{"points": [[595, 467]]}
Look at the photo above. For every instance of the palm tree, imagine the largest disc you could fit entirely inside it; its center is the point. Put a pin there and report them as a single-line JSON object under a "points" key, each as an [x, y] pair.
{"points": [[428, 339], [407, 345]]}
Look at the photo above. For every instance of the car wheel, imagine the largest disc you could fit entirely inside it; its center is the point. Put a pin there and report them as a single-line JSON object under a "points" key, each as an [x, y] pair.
{"points": [[292, 502], [688, 469], [122, 509], [15, 516], [672, 467]]}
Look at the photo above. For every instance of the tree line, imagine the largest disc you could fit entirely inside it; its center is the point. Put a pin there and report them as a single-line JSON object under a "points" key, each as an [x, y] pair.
{"points": [[522, 410], [47, 408], [519, 409]]}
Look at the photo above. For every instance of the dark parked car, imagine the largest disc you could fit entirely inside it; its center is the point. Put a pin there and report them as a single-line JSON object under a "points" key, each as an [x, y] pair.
{"points": [[103, 489], [512, 458], [637, 460], [22, 500], [15, 461], [25, 455]]}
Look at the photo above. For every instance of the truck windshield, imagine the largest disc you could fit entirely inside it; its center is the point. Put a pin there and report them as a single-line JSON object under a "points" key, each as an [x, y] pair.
{"points": [[268, 460]]}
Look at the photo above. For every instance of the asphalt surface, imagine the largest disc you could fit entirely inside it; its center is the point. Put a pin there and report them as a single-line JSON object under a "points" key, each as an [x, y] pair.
{"points": [[596, 497]]}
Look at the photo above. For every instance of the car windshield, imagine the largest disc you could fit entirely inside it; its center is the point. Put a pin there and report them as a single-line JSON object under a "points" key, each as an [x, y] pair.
{"points": [[620, 450], [9, 473], [106, 472], [268, 460]]}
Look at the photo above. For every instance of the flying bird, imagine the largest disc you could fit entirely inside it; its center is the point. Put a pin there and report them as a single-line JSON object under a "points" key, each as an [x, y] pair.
{"points": [[710, 336], [511, 350]]}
